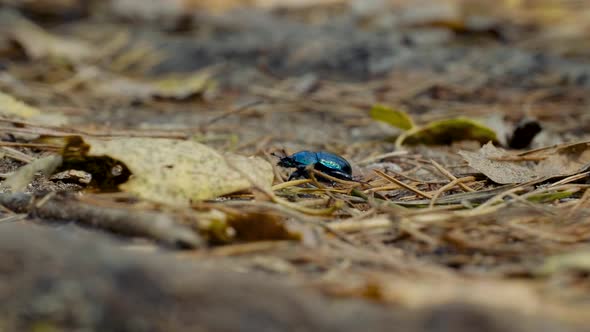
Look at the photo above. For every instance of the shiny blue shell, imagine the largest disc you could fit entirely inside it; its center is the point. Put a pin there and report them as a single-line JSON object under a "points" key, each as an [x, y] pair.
{"points": [[323, 161], [304, 158], [332, 161]]}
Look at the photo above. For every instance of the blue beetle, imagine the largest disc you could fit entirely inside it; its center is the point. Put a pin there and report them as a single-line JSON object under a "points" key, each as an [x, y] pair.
{"points": [[322, 161]]}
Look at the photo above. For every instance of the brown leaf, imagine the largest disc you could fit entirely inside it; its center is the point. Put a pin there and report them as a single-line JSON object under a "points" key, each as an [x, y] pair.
{"points": [[501, 167]]}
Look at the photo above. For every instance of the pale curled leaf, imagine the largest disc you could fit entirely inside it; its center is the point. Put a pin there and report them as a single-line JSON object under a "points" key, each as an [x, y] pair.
{"points": [[10, 106], [500, 167], [13, 108], [175, 172], [38, 43], [171, 86], [182, 86], [573, 261]]}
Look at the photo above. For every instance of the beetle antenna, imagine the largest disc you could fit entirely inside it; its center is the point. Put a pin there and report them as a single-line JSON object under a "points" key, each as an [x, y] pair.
{"points": [[282, 153]]}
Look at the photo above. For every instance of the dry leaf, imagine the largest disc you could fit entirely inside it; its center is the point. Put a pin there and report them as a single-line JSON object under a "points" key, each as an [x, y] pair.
{"points": [[297, 4], [11, 107], [573, 261], [172, 86], [447, 131], [38, 43], [175, 9], [498, 171], [248, 226], [172, 9], [500, 167], [176, 172]]}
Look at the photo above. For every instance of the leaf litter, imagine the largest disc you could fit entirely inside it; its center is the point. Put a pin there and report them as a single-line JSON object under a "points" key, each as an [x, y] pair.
{"points": [[421, 227], [170, 171], [558, 161]]}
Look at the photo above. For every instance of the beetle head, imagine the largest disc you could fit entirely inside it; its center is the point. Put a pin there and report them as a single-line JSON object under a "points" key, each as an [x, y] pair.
{"points": [[287, 162], [284, 159]]}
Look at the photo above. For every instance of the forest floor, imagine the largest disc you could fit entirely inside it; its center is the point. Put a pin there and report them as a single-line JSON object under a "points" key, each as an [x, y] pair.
{"points": [[141, 192]]}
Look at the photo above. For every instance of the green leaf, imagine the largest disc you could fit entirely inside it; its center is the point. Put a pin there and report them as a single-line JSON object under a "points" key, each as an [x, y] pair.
{"points": [[396, 118], [549, 197], [445, 132]]}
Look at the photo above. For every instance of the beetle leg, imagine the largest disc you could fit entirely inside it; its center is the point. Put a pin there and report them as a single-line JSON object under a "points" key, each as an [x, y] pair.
{"points": [[341, 175], [297, 174]]}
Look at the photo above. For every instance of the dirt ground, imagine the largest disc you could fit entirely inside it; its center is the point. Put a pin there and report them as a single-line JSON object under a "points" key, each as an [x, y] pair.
{"points": [[437, 232]]}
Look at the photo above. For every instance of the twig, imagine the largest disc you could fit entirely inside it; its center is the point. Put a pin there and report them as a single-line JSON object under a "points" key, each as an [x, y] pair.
{"points": [[383, 188], [498, 198], [382, 156], [449, 175], [447, 187], [570, 179], [14, 217], [406, 225], [477, 196], [106, 133], [290, 184], [360, 225], [333, 179], [582, 203], [271, 196], [15, 154], [158, 226], [247, 248], [401, 184], [31, 145], [236, 110]]}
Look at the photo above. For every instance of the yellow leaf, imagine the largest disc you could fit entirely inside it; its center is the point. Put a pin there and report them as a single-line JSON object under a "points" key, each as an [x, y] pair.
{"points": [[448, 131], [11, 107], [573, 261], [39, 43], [182, 86], [172, 86], [396, 118], [176, 172]]}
